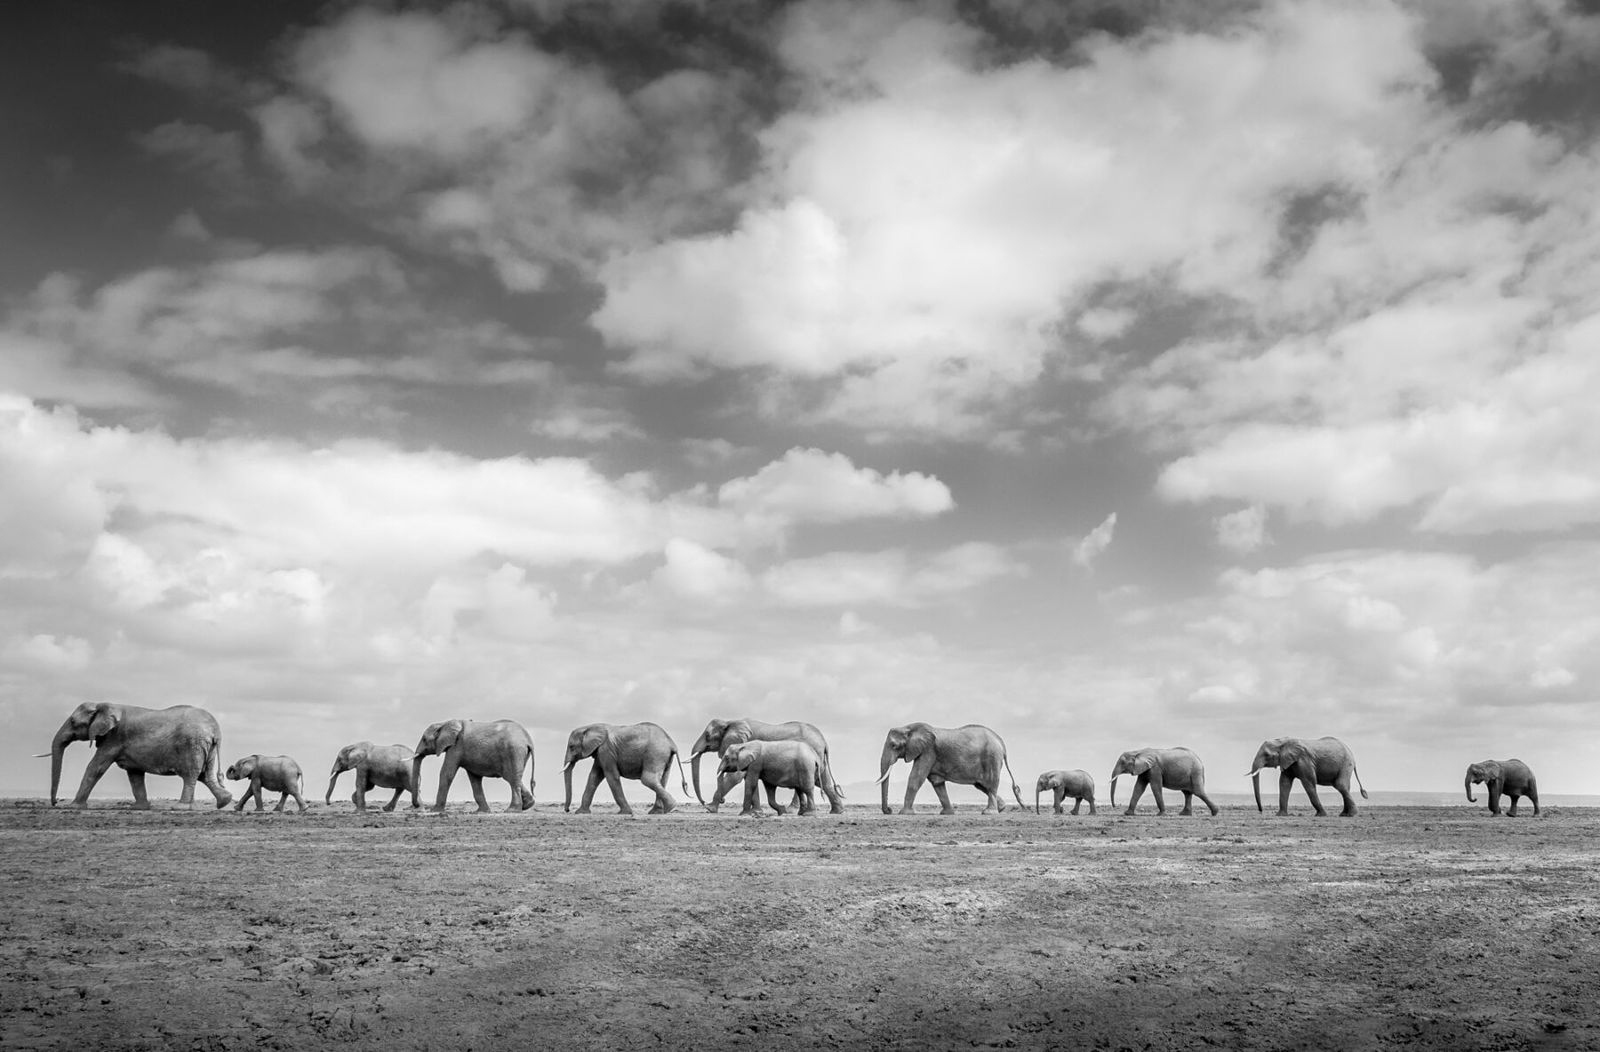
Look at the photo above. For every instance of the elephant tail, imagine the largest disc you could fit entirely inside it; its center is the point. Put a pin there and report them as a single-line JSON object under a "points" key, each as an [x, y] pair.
{"points": [[1016, 790], [675, 757], [1358, 781]]}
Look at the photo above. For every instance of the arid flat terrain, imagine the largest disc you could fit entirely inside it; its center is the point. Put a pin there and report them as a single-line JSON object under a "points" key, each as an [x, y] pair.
{"points": [[1403, 927]]}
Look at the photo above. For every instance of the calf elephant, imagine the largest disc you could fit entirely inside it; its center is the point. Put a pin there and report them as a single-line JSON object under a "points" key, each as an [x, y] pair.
{"points": [[776, 765], [1312, 762], [376, 767], [181, 740], [641, 751], [721, 735], [1176, 768], [971, 755], [270, 774], [484, 750], [1062, 784], [1511, 777]]}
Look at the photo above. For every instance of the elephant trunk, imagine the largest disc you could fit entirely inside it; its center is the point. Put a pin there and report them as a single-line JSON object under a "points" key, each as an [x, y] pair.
{"points": [[1114, 788], [885, 762], [58, 746], [332, 778], [1036, 792], [1469, 788], [566, 776]]}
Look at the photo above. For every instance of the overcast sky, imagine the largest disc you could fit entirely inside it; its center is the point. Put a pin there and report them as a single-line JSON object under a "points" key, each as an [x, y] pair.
{"points": [[1114, 375]]}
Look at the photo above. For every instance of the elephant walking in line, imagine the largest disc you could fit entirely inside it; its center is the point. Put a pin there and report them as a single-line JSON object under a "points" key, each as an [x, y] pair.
{"points": [[376, 767], [1312, 762], [722, 735], [971, 755], [484, 750], [1062, 784], [1511, 777], [182, 740], [639, 751], [269, 774], [1176, 768], [776, 765]]}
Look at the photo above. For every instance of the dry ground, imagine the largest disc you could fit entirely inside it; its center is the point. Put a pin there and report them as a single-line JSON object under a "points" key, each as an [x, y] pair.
{"points": [[1427, 927]]}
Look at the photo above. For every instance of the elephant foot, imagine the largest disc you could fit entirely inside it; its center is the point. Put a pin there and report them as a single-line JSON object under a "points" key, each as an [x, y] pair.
{"points": [[836, 809], [947, 810], [582, 811], [888, 810], [1187, 811], [665, 808], [224, 800], [749, 812], [625, 811], [712, 808], [1129, 813]]}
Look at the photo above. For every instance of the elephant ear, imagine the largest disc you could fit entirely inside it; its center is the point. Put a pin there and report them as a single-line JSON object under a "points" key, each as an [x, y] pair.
{"points": [[919, 739], [1291, 752], [1142, 762], [105, 721], [449, 731], [593, 737]]}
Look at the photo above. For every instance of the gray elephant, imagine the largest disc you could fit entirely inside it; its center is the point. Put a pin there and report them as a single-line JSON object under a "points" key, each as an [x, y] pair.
{"points": [[776, 765], [721, 735], [268, 774], [1062, 784], [1176, 768], [971, 755], [484, 750], [376, 767], [1511, 777], [1311, 762], [639, 751], [181, 740]]}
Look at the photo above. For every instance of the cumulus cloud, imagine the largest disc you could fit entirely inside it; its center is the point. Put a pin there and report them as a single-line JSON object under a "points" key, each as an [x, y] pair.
{"points": [[808, 485], [1242, 531]]}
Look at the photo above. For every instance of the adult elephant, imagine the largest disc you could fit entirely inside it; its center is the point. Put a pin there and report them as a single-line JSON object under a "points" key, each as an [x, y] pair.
{"points": [[971, 755], [1511, 777], [181, 740], [500, 749], [376, 767], [1311, 762], [1062, 784], [722, 735], [1176, 768], [639, 751]]}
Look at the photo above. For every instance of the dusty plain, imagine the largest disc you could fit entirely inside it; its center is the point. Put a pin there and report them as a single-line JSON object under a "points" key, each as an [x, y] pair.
{"points": [[1400, 928]]}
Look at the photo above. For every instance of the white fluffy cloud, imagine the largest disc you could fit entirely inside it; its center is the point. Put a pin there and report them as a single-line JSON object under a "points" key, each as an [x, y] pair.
{"points": [[808, 485]]}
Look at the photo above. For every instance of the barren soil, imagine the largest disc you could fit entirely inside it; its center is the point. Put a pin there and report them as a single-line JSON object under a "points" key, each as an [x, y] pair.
{"points": [[1426, 927]]}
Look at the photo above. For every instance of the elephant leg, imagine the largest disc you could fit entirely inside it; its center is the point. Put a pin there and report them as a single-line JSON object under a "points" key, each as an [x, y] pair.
{"points": [[186, 797], [283, 798], [1199, 790], [447, 775], [1060, 794], [136, 783], [1342, 784], [1512, 810], [651, 780], [211, 777], [589, 788], [945, 807], [1139, 784], [1285, 783], [1310, 784], [99, 764], [363, 783], [476, 781], [725, 784], [1494, 798], [1533, 798], [752, 797], [1188, 802], [614, 783], [772, 798], [393, 800], [808, 801], [255, 787], [830, 789]]}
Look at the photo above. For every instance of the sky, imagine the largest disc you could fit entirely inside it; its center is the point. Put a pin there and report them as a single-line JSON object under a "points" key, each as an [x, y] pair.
{"points": [[1112, 374]]}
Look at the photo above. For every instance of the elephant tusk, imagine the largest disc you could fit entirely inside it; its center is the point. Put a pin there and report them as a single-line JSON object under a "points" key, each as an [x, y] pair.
{"points": [[884, 777], [41, 756]]}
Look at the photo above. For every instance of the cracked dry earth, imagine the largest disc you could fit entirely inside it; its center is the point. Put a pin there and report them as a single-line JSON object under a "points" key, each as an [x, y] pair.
{"points": [[1414, 928]]}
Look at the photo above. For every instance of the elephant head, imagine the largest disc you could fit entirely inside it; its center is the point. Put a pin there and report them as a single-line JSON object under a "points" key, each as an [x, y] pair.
{"points": [[738, 759], [1282, 753], [349, 759], [1134, 762], [242, 768], [438, 738], [1487, 771], [710, 740], [87, 722], [903, 743], [582, 743], [1046, 781]]}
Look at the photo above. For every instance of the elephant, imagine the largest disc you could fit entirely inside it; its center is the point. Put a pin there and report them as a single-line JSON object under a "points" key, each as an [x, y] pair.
{"points": [[1176, 768], [274, 774], [721, 735], [641, 751], [182, 740], [1511, 777], [1062, 784], [970, 755], [376, 767], [1314, 762], [776, 765], [485, 750]]}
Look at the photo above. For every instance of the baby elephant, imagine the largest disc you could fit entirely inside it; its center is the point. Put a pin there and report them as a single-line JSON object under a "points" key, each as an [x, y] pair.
{"points": [[777, 765], [1062, 784], [1511, 777], [273, 774]]}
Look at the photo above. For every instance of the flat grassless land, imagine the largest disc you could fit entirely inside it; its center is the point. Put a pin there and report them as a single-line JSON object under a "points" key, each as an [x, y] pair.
{"points": [[1402, 927]]}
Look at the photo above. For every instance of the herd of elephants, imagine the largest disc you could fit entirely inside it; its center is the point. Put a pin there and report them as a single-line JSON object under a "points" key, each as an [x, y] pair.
{"points": [[187, 742]]}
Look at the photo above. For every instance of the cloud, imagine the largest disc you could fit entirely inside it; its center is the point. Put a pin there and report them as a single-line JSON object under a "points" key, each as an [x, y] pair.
{"points": [[1094, 544], [889, 578], [808, 485], [697, 573], [1242, 531]]}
